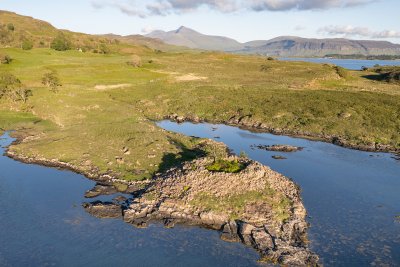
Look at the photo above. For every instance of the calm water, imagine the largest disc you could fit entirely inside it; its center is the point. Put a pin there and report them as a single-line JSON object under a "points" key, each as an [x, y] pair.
{"points": [[42, 223], [352, 64], [352, 197]]}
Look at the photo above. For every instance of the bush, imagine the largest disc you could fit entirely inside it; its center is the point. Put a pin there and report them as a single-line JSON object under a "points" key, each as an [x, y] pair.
{"points": [[221, 165], [27, 45], [11, 87], [135, 61], [51, 80], [103, 49], [5, 59], [61, 43], [10, 27]]}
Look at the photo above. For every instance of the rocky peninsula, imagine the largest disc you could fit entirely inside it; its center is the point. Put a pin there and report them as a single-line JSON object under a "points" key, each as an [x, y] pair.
{"points": [[256, 206]]}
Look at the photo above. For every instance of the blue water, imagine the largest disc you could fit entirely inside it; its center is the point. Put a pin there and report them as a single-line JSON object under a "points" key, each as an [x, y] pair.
{"points": [[352, 64], [352, 197], [42, 223]]}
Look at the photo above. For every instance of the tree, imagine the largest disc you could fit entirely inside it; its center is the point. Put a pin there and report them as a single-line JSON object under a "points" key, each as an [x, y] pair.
{"points": [[61, 43], [103, 49], [51, 80], [27, 44], [21, 94], [11, 87]]}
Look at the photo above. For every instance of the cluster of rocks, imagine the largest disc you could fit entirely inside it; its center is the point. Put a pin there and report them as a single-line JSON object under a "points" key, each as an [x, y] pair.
{"points": [[280, 148]]}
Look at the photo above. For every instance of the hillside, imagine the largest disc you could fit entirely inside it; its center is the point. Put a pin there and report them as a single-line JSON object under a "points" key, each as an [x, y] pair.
{"points": [[280, 46], [16, 29]]}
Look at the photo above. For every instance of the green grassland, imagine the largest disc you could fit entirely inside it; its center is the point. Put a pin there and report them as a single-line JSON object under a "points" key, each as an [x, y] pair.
{"points": [[103, 114]]}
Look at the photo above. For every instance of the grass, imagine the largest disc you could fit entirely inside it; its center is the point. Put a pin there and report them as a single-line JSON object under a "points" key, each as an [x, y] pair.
{"points": [[87, 126], [235, 205], [93, 127], [228, 166]]}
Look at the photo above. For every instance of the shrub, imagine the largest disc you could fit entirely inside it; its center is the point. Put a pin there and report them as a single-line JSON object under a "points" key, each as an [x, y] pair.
{"points": [[27, 45], [228, 166], [103, 49], [5, 59], [61, 43], [11, 87], [135, 61], [51, 80], [10, 27]]}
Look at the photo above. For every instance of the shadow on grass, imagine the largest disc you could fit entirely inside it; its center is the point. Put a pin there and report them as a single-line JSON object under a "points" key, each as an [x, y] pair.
{"points": [[170, 160]]}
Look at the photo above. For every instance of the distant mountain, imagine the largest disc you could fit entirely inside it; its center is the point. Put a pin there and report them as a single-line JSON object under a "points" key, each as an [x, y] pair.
{"points": [[296, 46], [280, 46], [192, 39]]}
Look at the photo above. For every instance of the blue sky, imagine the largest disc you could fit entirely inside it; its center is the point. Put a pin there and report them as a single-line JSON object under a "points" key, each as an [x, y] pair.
{"points": [[239, 19]]}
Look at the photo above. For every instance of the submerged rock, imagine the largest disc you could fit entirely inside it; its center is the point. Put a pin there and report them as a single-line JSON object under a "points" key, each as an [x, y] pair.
{"points": [[280, 148], [103, 209], [99, 190], [278, 157]]}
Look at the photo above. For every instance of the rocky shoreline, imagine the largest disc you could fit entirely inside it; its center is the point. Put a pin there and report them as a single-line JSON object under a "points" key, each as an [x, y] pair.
{"points": [[246, 122], [173, 198]]}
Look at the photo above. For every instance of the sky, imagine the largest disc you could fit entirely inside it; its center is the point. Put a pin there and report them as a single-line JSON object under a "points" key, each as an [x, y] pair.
{"points": [[239, 19]]}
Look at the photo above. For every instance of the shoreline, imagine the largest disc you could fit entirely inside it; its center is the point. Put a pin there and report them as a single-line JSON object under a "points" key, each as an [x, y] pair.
{"points": [[257, 127], [159, 200]]}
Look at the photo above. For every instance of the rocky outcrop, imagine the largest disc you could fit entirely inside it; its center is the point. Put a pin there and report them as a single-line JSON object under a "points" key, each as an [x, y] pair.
{"points": [[256, 206], [173, 199]]}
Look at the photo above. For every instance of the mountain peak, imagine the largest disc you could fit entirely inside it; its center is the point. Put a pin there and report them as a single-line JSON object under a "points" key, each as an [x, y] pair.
{"points": [[183, 29]]}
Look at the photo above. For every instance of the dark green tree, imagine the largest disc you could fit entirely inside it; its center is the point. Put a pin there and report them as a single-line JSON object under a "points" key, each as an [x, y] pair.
{"points": [[61, 43]]}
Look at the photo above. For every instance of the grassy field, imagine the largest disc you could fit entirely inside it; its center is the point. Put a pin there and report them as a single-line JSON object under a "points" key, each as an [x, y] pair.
{"points": [[103, 114]]}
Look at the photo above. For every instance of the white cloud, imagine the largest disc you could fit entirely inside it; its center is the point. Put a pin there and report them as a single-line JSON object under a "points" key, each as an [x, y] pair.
{"points": [[166, 7], [351, 31]]}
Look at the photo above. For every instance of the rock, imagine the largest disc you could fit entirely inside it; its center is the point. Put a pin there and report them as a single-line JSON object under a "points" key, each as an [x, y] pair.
{"points": [[120, 199], [213, 220], [263, 239], [278, 157], [230, 232], [100, 190], [280, 148], [103, 209]]}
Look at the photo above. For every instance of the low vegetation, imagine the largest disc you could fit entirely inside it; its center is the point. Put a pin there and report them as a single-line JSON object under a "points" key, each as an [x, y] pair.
{"points": [[235, 205], [95, 127], [390, 74], [228, 166]]}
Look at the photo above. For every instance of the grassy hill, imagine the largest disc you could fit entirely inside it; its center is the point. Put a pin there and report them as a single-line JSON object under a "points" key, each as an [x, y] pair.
{"points": [[16, 29], [103, 115]]}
